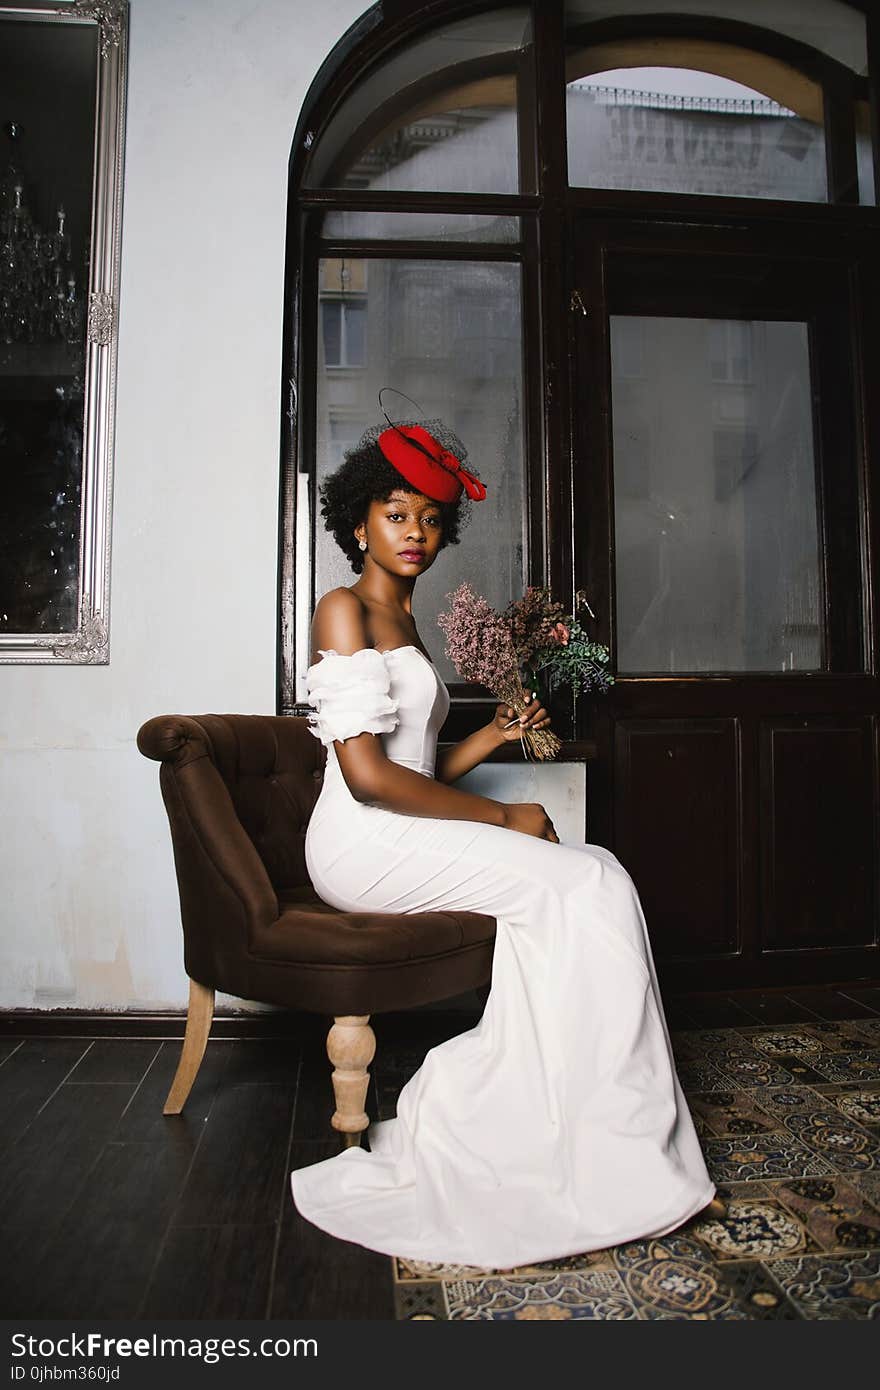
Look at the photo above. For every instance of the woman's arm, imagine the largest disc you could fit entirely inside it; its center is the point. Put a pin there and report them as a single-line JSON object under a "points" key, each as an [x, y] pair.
{"points": [[454, 762], [377, 780], [369, 774]]}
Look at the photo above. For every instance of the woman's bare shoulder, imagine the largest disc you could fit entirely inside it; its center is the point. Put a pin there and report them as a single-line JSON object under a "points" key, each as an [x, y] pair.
{"points": [[339, 621], [341, 600]]}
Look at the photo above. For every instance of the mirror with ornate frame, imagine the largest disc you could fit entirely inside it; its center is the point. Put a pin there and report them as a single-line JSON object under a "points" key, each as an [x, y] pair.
{"points": [[62, 107]]}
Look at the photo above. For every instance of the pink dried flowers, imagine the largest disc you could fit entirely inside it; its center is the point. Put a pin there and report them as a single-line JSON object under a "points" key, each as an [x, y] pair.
{"points": [[480, 645], [478, 640], [532, 619]]}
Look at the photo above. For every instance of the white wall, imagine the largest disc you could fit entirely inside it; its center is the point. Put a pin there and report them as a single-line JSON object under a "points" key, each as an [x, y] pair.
{"points": [[90, 911]]}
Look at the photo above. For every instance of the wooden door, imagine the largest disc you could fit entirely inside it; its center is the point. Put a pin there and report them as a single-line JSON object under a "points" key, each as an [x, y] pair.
{"points": [[722, 486]]}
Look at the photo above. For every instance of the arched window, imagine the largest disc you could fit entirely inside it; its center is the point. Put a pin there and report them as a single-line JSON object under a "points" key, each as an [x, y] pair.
{"points": [[443, 173]]}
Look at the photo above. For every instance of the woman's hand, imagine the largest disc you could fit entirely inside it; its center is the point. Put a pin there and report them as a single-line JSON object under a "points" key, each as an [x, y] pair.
{"points": [[530, 818], [533, 717]]}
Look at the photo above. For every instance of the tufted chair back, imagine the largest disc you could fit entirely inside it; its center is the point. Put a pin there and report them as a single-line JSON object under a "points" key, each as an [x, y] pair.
{"points": [[239, 790], [272, 769]]}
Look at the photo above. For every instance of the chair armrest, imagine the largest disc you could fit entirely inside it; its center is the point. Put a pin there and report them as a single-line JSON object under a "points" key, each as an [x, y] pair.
{"points": [[173, 738]]}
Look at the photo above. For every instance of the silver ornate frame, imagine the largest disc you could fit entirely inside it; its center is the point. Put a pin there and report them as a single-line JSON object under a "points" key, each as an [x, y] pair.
{"points": [[89, 644]]}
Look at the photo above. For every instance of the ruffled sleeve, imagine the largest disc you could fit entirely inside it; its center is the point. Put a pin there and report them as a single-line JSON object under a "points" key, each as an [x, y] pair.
{"points": [[350, 695]]}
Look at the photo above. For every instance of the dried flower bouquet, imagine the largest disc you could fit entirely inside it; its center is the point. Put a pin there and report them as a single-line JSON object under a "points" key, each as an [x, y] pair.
{"points": [[506, 652]]}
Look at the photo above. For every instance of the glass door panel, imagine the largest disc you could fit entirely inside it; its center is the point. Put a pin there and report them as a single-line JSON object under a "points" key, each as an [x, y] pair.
{"points": [[717, 564]]}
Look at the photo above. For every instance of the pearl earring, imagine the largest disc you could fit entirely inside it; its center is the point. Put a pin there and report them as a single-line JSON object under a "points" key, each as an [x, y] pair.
{"points": [[362, 544]]}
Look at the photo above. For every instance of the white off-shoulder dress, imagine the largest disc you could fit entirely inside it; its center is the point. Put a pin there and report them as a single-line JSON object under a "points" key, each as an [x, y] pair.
{"points": [[557, 1125]]}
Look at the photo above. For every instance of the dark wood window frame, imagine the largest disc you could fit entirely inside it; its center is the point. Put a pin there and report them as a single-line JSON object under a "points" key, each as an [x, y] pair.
{"points": [[563, 547]]}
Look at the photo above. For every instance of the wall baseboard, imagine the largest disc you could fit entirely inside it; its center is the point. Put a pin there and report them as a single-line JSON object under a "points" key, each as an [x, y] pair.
{"points": [[228, 1023], [135, 1023]]}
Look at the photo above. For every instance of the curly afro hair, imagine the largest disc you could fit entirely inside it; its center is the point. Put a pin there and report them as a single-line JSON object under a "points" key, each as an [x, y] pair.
{"points": [[366, 476]]}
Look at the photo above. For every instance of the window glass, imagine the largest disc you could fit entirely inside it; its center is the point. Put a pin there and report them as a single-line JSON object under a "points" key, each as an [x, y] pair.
{"points": [[716, 529], [331, 323], [449, 335], [420, 226], [353, 334], [343, 327], [865, 155], [440, 115], [676, 129]]}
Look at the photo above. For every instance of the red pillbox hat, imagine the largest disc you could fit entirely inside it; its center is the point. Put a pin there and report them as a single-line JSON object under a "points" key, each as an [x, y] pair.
{"points": [[431, 468]]}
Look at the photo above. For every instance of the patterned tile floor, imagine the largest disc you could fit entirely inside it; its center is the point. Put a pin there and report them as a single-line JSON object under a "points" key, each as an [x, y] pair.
{"points": [[789, 1118]]}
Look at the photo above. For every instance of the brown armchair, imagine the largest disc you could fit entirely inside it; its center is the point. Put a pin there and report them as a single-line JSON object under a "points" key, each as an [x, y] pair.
{"points": [[239, 790]]}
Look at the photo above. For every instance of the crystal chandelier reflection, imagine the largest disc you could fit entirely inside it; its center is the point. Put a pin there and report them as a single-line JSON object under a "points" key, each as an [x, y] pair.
{"points": [[39, 298]]}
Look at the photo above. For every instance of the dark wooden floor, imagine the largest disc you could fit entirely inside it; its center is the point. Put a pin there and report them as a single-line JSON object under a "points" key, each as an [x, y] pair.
{"points": [[108, 1209]]}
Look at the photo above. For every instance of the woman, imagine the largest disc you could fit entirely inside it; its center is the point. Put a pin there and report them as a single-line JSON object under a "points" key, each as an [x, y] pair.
{"points": [[557, 1125]]}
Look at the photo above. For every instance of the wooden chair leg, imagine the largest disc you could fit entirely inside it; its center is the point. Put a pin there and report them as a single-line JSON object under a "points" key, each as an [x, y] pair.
{"points": [[351, 1046], [199, 1018]]}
